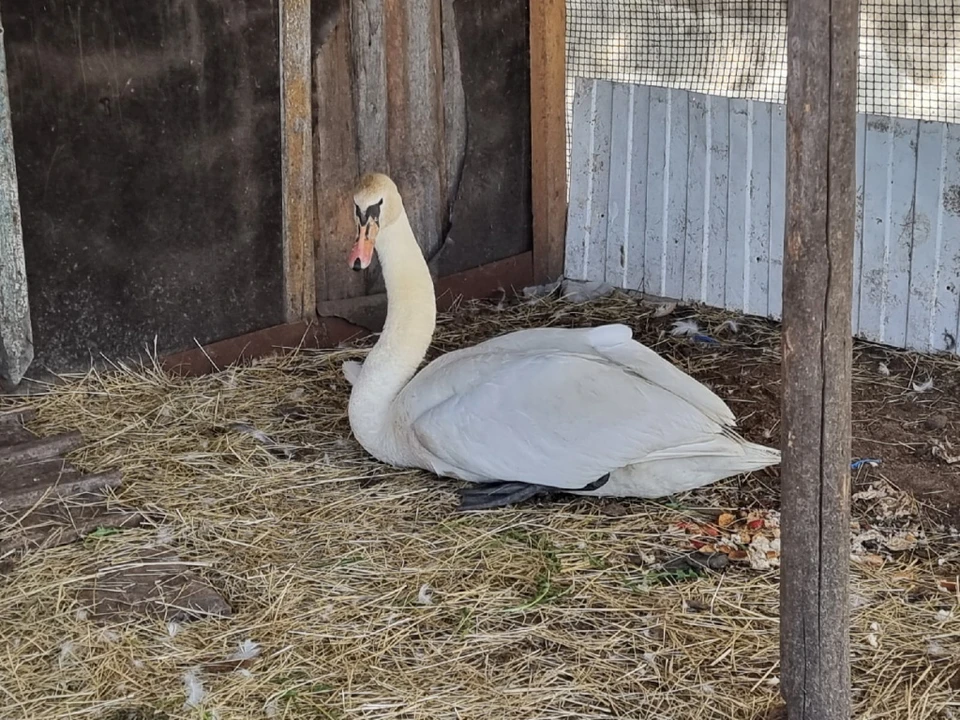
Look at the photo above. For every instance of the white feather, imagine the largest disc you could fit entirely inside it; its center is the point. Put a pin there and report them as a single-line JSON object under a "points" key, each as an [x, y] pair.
{"points": [[685, 327]]}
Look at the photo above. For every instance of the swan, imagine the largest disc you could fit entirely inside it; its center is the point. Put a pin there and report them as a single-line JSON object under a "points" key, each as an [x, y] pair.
{"points": [[541, 411]]}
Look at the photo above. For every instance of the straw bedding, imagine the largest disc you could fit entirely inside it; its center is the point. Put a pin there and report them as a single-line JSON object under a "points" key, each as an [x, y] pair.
{"points": [[358, 591]]}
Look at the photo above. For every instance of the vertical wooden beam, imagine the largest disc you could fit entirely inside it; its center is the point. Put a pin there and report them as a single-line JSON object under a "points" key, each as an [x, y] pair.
{"points": [[299, 284], [817, 357], [548, 22], [340, 135], [16, 334]]}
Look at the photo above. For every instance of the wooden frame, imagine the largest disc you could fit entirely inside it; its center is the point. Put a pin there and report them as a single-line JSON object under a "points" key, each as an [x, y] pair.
{"points": [[296, 128], [548, 131], [817, 356]]}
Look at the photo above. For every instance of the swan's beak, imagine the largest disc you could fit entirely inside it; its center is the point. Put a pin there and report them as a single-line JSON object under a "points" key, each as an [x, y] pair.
{"points": [[362, 254]]}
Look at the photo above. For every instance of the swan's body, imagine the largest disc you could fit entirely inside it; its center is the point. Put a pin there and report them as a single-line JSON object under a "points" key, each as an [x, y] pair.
{"points": [[587, 411]]}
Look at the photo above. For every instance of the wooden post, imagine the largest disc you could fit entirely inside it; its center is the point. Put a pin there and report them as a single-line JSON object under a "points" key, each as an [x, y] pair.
{"points": [[817, 357], [16, 334], [548, 145], [296, 122]]}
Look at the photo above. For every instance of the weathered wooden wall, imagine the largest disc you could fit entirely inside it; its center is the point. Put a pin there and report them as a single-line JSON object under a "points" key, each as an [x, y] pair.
{"points": [[681, 195], [147, 143], [436, 94]]}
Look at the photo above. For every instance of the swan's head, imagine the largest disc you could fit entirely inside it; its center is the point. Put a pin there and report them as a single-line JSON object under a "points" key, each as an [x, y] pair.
{"points": [[377, 205]]}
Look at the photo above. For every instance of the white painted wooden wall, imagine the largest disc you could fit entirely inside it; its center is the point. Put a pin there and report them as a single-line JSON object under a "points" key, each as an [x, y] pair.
{"points": [[681, 195]]}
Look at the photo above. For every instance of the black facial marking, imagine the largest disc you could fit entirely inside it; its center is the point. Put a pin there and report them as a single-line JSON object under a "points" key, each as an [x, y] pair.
{"points": [[371, 213]]}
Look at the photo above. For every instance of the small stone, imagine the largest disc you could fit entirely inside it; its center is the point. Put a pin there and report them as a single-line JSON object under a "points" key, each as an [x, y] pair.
{"points": [[936, 422]]}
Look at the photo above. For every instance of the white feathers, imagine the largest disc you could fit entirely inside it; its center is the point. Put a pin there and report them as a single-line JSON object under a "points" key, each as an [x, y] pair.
{"points": [[687, 328], [924, 386], [193, 687], [425, 596], [248, 651]]}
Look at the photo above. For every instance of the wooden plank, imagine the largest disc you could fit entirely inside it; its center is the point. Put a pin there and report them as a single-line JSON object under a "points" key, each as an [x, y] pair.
{"points": [[548, 136], [339, 134], [947, 321], [758, 236], [658, 193], [454, 113], [63, 522], [40, 449], [817, 358], [695, 239], [778, 183], [890, 168], [901, 220], [370, 82], [16, 332], [601, 127], [23, 495], [415, 142], [737, 279], [153, 584], [299, 280], [581, 178], [12, 428], [858, 233], [324, 332], [716, 242], [927, 238], [619, 191], [675, 222], [637, 182]]}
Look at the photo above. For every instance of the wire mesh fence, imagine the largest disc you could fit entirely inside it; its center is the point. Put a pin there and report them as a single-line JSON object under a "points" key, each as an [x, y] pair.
{"points": [[909, 50]]}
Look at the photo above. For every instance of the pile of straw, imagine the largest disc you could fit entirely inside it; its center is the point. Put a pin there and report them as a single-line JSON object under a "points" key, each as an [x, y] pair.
{"points": [[359, 592]]}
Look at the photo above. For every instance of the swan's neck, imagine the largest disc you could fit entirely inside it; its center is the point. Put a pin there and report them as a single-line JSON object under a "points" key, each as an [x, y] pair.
{"points": [[411, 319]]}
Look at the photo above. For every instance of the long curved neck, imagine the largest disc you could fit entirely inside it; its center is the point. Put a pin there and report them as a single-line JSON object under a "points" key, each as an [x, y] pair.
{"points": [[406, 336]]}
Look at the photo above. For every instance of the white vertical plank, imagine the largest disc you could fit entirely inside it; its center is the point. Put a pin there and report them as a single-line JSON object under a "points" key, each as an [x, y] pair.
{"points": [[927, 236], [698, 199], [595, 250], [858, 229], [619, 195], [738, 200], [778, 218], [877, 201], [716, 238], [676, 220], [946, 324], [637, 182], [580, 204], [659, 118], [903, 178], [758, 253]]}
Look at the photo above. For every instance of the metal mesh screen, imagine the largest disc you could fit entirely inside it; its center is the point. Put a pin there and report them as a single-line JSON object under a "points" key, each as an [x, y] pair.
{"points": [[909, 50]]}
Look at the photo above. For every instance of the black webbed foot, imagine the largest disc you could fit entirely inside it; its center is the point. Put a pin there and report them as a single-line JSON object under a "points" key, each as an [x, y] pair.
{"points": [[487, 496], [495, 495]]}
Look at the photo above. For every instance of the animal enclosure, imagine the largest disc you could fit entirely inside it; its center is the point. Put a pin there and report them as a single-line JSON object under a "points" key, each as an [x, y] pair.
{"points": [[200, 535]]}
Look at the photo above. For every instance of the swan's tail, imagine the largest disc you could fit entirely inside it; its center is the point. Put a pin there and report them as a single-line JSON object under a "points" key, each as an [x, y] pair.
{"points": [[691, 466]]}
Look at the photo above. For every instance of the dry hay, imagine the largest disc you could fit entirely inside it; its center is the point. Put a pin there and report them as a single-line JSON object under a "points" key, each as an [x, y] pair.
{"points": [[360, 593]]}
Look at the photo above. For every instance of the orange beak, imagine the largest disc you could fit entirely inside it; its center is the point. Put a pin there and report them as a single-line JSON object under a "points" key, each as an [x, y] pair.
{"points": [[362, 254]]}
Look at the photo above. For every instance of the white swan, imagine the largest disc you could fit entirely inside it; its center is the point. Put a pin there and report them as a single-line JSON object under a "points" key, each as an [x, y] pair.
{"points": [[590, 412]]}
